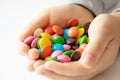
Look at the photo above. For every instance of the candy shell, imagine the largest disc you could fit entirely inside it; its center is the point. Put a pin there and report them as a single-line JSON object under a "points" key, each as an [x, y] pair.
{"points": [[37, 32], [72, 22], [54, 35], [52, 59], [63, 58], [46, 51], [67, 53], [33, 54], [73, 32], [65, 34], [58, 39], [44, 42], [49, 30], [86, 26], [66, 47], [71, 41], [56, 53], [81, 32], [34, 43], [57, 46], [78, 26], [46, 35], [57, 29], [75, 56], [29, 40], [83, 39]]}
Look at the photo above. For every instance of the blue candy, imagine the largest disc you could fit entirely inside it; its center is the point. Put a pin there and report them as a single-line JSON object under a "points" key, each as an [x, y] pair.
{"points": [[65, 34], [57, 46]]}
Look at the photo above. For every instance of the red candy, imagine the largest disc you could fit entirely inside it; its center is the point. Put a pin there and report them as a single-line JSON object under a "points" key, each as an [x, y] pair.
{"points": [[34, 43], [49, 30], [72, 22]]}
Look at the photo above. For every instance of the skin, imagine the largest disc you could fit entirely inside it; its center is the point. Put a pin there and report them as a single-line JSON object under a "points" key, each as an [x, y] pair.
{"points": [[100, 53]]}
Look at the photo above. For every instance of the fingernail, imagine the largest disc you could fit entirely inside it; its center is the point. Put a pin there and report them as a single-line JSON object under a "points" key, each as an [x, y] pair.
{"points": [[88, 60]]}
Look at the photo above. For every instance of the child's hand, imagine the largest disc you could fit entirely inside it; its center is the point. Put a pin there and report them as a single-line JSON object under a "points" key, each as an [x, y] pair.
{"points": [[55, 15], [98, 55]]}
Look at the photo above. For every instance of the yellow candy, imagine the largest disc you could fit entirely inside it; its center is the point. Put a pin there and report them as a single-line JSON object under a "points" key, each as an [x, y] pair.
{"points": [[81, 32], [44, 42], [46, 35], [77, 42]]}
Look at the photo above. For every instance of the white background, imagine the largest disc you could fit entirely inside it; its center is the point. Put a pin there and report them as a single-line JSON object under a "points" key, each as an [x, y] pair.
{"points": [[14, 16]]}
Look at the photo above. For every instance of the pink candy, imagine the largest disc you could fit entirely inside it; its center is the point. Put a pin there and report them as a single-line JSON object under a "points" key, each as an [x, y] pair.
{"points": [[66, 47], [29, 39], [63, 58], [56, 53]]}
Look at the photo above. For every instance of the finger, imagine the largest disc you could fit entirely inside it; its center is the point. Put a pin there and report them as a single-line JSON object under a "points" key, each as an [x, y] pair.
{"points": [[40, 21], [38, 63], [30, 66], [68, 69], [54, 76], [23, 49], [98, 41], [108, 57]]}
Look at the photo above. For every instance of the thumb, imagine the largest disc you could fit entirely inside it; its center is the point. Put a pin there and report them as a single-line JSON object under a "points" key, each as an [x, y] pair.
{"points": [[95, 48]]}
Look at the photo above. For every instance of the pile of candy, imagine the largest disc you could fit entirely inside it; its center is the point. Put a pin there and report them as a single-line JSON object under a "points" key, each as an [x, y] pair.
{"points": [[58, 44]]}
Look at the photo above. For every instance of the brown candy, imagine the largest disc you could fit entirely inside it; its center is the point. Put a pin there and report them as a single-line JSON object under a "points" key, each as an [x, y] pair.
{"points": [[75, 56], [71, 41], [86, 26]]}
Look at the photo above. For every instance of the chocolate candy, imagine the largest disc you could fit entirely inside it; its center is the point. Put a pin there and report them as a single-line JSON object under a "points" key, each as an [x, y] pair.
{"points": [[75, 56], [86, 26], [71, 41], [52, 59]]}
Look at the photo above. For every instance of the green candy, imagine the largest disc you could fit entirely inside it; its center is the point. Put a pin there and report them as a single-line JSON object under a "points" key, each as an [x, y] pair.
{"points": [[67, 53], [52, 59], [78, 26], [58, 39], [83, 39]]}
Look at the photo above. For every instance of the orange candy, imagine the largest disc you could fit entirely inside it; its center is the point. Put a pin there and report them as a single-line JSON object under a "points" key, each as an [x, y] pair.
{"points": [[81, 48], [49, 30], [46, 51], [73, 32], [72, 22], [33, 54], [57, 29]]}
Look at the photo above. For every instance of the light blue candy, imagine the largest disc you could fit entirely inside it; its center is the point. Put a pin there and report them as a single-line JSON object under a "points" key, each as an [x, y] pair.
{"points": [[57, 46], [65, 34]]}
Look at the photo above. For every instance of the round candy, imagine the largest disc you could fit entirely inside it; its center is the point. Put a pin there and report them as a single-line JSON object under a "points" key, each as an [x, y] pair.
{"points": [[57, 46], [58, 39], [74, 47], [63, 58], [33, 54], [34, 43], [57, 29], [44, 42], [77, 41], [56, 53], [46, 51], [67, 53], [37, 32], [65, 34], [45, 35], [71, 41], [72, 22], [83, 39], [86, 26], [54, 35], [73, 32], [78, 26], [75, 56], [66, 47], [81, 32], [49, 30], [29, 40], [52, 59]]}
